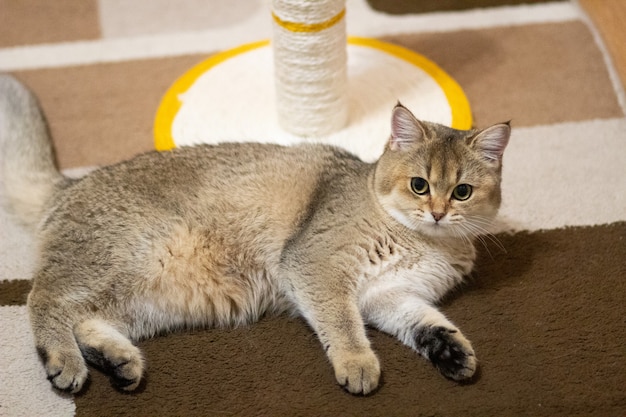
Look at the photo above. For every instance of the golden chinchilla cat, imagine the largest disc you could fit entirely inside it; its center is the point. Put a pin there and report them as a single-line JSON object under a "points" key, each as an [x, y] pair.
{"points": [[221, 235]]}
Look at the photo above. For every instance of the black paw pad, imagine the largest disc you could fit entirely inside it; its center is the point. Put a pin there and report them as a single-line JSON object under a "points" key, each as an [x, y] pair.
{"points": [[444, 348]]}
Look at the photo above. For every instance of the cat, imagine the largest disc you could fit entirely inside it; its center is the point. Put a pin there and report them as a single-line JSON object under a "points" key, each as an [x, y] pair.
{"points": [[220, 235]]}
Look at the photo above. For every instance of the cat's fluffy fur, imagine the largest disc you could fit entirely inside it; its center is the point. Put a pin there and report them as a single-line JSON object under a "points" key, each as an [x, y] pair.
{"points": [[220, 235]]}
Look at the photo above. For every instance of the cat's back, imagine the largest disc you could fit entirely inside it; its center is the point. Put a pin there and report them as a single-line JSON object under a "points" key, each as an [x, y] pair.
{"points": [[239, 170], [250, 191], [240, 177]]}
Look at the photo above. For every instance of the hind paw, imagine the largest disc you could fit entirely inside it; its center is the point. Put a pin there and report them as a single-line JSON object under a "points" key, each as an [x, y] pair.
{"points": [[105, 346], [126, 369], [123, 363], [66, 371]]}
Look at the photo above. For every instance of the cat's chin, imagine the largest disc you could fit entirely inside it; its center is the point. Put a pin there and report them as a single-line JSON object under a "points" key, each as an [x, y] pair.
{"points": [[436, 230]]}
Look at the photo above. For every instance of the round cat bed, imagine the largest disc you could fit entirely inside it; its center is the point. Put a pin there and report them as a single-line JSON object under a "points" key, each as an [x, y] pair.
{"points": [[231, 97]]}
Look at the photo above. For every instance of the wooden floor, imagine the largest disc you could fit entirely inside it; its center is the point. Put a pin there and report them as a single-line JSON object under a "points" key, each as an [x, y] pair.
{"points": [[609, 17]]}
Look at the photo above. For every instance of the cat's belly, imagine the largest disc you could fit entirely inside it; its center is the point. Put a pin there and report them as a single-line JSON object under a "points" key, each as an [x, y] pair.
{"points": [[203, 302], [195, 280]]}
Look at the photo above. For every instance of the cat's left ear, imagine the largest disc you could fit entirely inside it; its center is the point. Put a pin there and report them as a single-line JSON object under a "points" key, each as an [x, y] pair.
{"points": [[492, 141], [406, 130]]}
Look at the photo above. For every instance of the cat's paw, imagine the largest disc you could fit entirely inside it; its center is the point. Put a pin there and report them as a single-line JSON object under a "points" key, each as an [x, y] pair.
{"points": [[122, 361], [358, 373], [127, 369], [66, 371], [106, 347], [448, 350]]}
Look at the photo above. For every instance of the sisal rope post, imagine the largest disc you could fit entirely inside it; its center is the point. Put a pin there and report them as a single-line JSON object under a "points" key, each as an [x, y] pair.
{"points": [[310, 64]]}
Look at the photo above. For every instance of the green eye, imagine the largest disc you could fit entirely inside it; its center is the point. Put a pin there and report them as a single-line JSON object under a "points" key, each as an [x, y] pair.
{"points": [[419, 186], [462, 192]]}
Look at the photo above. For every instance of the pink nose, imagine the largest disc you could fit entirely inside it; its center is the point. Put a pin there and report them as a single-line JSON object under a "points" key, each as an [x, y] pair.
{"points": [[438, 216]]}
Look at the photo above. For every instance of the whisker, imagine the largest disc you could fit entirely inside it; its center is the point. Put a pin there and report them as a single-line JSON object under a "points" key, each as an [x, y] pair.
{"points": [[487, 234], [470, 233], [459, 232], [483, 235]]}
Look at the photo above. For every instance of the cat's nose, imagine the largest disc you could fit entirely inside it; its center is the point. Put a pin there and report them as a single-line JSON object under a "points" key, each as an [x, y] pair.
{"points": [[438, 216]]}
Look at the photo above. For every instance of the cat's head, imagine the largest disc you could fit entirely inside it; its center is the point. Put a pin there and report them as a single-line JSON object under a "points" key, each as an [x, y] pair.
{"points": [[438, 180]]}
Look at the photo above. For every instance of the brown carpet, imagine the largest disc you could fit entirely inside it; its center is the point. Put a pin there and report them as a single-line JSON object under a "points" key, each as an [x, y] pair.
{"points": [[547, 316], [547, 319]]}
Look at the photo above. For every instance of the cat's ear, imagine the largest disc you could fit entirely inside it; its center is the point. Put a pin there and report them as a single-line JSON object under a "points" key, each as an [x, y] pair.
{"points": [[406, 130], [491, 142]]}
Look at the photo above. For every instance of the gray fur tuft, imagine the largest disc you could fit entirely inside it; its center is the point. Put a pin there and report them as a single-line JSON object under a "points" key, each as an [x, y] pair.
{"points": [[27, 164]]}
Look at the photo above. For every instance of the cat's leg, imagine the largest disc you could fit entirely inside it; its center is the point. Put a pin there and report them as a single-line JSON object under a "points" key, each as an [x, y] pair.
{"points": [[334, 316], [104, 345], [52, 327], [419, 325], [356, 366], [341, 331]]}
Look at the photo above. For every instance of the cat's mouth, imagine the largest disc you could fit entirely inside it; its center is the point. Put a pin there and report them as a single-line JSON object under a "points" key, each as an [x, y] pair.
{"points": [[446, 226], [436, 228]]}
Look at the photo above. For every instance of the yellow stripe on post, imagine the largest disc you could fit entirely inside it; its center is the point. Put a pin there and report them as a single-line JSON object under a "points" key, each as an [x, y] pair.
{"points": [[309, 27]]}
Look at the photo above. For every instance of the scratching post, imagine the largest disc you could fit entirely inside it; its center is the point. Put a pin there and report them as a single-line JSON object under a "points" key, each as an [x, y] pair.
{"points": [[310, 61]]}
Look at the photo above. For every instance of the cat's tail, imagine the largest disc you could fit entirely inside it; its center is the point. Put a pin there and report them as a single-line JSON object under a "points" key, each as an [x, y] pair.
{"points": [[28, 171]]}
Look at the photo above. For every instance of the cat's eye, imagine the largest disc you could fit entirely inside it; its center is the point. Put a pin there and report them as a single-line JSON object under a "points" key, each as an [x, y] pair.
{"points": [[419, 186], [462, 192]]}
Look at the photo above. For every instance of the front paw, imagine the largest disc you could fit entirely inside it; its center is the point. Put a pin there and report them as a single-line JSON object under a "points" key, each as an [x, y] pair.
{"points": [[448, 350], [358, 373]]}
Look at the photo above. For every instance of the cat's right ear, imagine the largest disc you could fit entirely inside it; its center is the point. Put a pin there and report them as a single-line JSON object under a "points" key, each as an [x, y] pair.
{"points": [[406, 130]]}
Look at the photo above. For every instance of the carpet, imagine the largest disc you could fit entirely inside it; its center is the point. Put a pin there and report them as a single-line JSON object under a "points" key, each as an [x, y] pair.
{"points": [[545, 306]]}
